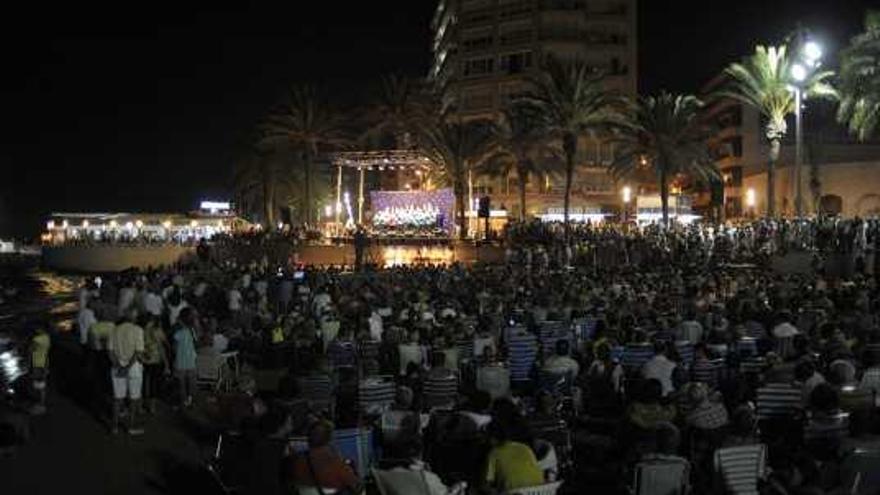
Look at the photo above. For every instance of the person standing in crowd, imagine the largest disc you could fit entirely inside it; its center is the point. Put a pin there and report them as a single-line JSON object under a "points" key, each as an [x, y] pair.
{"points": [[156, 363], [41, 343], [84, 321], [126, 350], [184, 338]]}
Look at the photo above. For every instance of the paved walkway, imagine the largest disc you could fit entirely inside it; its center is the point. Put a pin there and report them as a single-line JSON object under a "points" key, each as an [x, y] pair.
{"points": [[72, 452]]}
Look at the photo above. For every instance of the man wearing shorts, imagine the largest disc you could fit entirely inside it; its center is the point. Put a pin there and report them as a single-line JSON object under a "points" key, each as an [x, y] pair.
{"points": [[126, 349]]}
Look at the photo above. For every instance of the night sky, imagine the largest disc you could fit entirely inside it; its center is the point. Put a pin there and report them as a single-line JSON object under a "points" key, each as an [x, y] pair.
{"points": [[143, 110]]}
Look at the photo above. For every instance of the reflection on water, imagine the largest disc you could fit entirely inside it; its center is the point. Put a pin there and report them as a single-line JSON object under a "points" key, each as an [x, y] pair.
{"points": [[40, 293], [60, 295]]}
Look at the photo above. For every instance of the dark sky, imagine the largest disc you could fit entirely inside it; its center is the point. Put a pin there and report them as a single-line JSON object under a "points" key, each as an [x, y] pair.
{"points": [[141, 110]]}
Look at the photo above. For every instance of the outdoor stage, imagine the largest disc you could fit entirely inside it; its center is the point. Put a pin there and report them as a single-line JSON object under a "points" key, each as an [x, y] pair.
{"points": [[393, 254]]}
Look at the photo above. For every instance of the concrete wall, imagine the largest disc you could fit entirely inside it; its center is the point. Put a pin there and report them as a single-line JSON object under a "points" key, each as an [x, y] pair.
{"points": [[96, 259], [857, 183]]}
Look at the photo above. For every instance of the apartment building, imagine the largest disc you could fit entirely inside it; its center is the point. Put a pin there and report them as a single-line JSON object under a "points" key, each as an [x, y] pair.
{"points": [[484, 50]]}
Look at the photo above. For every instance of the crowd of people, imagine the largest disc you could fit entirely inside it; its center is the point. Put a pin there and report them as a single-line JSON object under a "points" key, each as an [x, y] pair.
{"points": [[626, 359]]}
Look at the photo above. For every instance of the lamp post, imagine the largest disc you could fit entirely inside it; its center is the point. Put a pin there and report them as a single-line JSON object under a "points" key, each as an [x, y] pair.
{"points": [[626, 192], [809, 60]]}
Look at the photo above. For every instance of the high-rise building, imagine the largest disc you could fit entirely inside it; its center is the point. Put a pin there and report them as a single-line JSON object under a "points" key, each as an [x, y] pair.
{"points": [[484, 50]]}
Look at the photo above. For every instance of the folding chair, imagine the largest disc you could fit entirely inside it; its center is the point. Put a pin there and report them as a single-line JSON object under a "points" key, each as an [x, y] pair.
{"points": [[522, 351], [440, 392], [662, 477], [707, 372], [211, 371], [375, 396], [584, 328], [785, 347], [635, 356], [559, 435], [778, 401], [355, 445], [317, 390], [686, 351], [550, 333], [740, 468]]}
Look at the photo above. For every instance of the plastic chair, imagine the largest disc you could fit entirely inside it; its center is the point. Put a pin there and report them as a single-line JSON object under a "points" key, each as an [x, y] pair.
{"points": [[740, 468], [375, 396], [662, 477], [211, 368], [352, 444], [385, 481], [545, 489]]}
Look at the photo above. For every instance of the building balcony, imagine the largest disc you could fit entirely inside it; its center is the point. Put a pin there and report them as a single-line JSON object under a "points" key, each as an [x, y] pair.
{"points": [[563, 5]]}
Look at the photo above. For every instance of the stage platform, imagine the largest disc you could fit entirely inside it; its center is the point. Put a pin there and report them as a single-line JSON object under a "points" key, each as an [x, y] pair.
{"points": [[402, 253]]}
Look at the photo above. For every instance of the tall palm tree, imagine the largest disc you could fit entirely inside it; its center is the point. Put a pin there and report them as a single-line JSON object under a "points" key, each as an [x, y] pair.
{"points": [[666, 133], [456, 147], [520, 145], [859, 81], [261, 175], [763, 81], [310, 127], [572, 102], [401, 105]]}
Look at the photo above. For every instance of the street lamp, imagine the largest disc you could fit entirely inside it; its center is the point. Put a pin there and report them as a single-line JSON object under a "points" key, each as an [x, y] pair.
{"points": [[626, 192], [750, 201], [809, 59]]}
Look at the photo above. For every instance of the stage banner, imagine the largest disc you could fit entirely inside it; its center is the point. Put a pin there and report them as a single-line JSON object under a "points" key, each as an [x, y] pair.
{"points": [[413, 210]]}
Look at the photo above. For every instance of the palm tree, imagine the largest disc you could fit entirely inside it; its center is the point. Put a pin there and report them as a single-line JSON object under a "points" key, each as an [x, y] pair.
{"points": [[763, 81], [310, 127], [261, 175], [859, 80], [666, 133], [456, 147], [401, 105], [519, 144], [571, 101]]}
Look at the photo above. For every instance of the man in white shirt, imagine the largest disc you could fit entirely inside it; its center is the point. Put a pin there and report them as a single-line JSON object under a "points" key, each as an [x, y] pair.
{"points": [[660, 367], [376, 328], [152, 302], [125, 347], [689, 330], [784, 328], [561, 363], [126, 297]]}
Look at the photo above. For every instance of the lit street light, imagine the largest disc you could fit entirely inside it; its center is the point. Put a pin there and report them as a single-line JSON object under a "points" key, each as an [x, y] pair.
{"points": [[810, 54], [798, 72]]}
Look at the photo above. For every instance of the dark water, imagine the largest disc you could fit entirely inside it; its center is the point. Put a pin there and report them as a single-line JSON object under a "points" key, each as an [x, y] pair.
{"points": [[30, 292]]}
